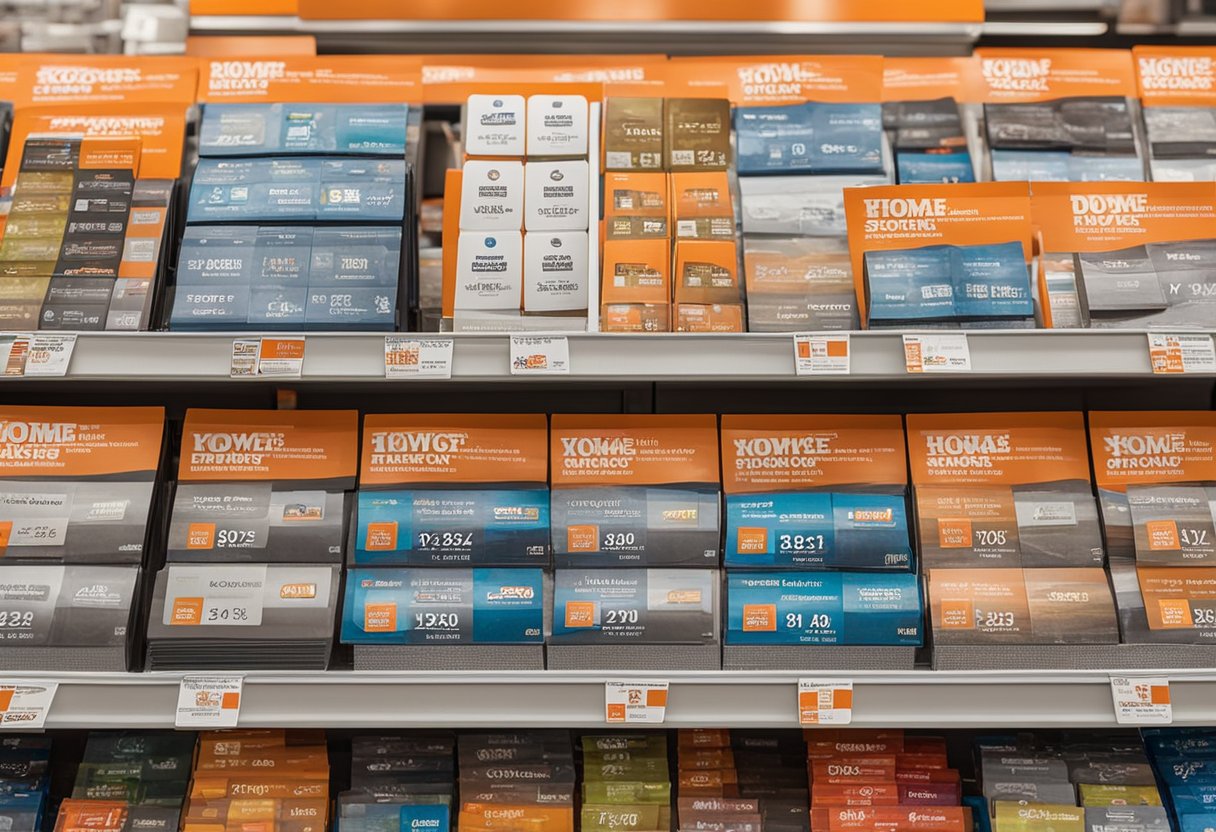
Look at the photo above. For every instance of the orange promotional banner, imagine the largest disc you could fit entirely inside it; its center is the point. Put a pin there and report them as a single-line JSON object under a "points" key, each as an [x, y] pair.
{"points": [[827, 11], [243, 7], [1012, 76], [629, 450], [10, 63], [926, 79], [778, 453], [459, 92], [246, 46], [898, 217], [220, 445], [454, 448], [160, 129], [1176, 76], [328, 79], [997, 448], [79, 442], [1105, 216], [1152, 447], [791, 79], [98, 79]]}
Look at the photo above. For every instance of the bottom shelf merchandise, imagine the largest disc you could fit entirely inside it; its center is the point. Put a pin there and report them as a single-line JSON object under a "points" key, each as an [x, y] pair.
{"points": [[554, 780]]}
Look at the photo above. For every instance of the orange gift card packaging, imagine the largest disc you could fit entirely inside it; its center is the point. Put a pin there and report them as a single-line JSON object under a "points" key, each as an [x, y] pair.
{"points": [[1177, 87], [271, 779], [1009, 530], [1059, 115], [1155, 472], [1126, 255], [521, 208], [950, 256]]}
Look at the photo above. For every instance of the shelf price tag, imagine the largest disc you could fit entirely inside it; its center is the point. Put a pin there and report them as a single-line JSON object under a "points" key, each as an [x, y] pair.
{"points": [[267, 357], [821, 354], [209, 701], [24, 705], [540, 355], [1142, 700], [41, 354], [642, 703], [825, 703], [937, 353], [412, 357], [1178, 354]]}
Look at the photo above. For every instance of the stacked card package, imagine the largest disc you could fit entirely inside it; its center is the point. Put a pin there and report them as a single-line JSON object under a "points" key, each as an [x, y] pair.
{"points": [[451, 543], [741, 781], [149, 771], [625, 784], [880, 773], [25, 768], [634, 522], [516, 780], [400, 783], [255, 542], [271, 778], [299, 218], [77, 487], [928, 140], [1089, 784], [84, 237], [1184, 760], [818, 551]]}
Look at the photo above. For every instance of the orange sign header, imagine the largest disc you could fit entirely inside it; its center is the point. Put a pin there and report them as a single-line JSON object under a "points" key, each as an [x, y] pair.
{"points": [[356, 79], [925, 79], [160, 129], [1012, 76], [633, 450], [1176, 76], [97, 79], [1151, 447], [790, 79], [1104, 216], [79, 442], [896, 217], [827, 11], [997, 448], [460, 448], [292, 445], [778, 453], [240, 46]]}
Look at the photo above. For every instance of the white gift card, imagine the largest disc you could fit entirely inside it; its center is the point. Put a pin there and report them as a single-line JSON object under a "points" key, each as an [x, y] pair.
{"points": [[555, 195], [492, 196], [557, 125], [489, 270], [494, 125], [555, 271]]}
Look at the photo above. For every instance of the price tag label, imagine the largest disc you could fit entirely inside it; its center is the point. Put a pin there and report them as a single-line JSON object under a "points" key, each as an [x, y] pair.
{"points": [[1142, 700], [209, 701], [408, 357], [825, 703], [643, 703], [821, 354], [267, 358], [540, 355], [1179, 354], [937, 353], [49, 354], [24, 705], [14, 348]]}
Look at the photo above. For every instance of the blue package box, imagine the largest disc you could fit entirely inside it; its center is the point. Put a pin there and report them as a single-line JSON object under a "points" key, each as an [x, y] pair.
{"points": [[930, 168], [910, 285], [817, 530], [823, 608], [992, 282], [351, 308], [443, 606], [297, 190], [813, 138], [361, 257], [487, 527], [284, 129]]}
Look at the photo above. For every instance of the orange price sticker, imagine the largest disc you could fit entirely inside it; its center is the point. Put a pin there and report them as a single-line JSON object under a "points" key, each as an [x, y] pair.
{"points": [[825, 703]]}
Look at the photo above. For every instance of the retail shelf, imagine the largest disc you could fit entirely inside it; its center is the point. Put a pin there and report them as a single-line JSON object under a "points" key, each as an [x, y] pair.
{"points": [[913, 699], [876, 356], [675, 36]]}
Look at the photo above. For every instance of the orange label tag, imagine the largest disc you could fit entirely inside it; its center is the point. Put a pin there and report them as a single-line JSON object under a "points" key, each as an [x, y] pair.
{"points": [[580, 614], [380, 618], [583, 538], [381, 537], [759, 618], [187, 612]]}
